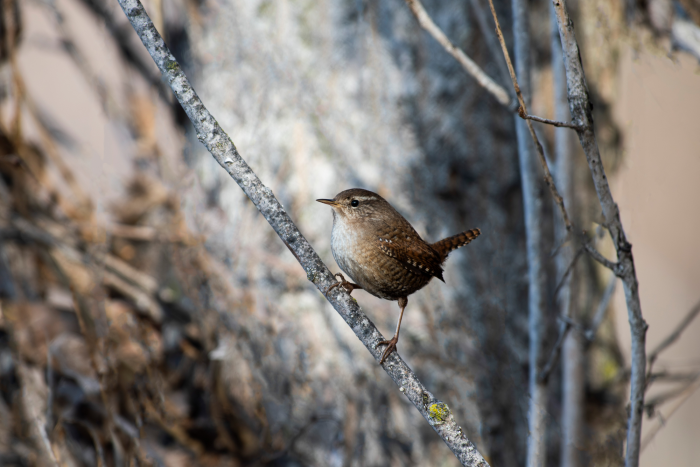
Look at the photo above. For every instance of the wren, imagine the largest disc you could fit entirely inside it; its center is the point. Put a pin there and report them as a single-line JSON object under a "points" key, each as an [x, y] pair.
{"points": [[374, 245]]}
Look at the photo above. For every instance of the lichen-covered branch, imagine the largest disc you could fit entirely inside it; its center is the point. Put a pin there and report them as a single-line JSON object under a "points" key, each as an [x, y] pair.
{"points": [[580, 105], [222, 148]]}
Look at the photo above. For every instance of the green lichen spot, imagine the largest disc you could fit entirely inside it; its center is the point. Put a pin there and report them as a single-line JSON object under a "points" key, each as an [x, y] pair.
{"points": [[311, 276], [439, 412], [426, 399], [171, 65]]}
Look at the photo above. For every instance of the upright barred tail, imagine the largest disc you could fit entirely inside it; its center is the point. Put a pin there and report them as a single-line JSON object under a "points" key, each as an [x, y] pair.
{"points": [[444, 247]]}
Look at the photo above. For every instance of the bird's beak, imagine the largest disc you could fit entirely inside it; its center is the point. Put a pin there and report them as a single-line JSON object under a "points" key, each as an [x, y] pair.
{"points": [[329, 202]]}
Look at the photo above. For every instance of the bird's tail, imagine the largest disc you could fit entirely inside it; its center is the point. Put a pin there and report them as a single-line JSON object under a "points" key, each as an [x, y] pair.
{"points": [[445, 246]]}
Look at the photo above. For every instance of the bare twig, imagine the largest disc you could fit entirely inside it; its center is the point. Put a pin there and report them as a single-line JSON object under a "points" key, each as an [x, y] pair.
{"points": [[223, 150], [568, 323], [567, 272], [580, 105], [689, 391], [670, 339], [673, 337], [556, 350], [540, 150], [652, 403], [673, 377], [469, 65], [556, 123], [602, 308], [70, 47], [595, 254], [484, 80], [483, 18]]}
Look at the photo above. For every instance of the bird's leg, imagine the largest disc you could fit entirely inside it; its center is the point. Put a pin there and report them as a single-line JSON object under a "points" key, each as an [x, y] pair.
{"points": [[391, 343], [349, 286]]}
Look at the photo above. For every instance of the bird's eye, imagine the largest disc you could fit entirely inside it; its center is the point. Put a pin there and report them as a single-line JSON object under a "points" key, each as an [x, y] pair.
{"points": [[355, 203]]}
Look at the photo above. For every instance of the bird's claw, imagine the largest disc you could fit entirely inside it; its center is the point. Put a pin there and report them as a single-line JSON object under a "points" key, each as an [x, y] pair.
{"points": [[348, 286], [390, 348]]}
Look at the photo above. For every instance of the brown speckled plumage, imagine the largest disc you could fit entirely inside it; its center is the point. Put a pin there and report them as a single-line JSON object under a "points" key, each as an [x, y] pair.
{"points": [[374, 245]]}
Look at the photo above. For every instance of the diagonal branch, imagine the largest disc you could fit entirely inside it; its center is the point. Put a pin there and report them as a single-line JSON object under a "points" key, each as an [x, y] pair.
{"points": [[580, 105], [223, 150], [602, 308], [540, 150], [670, 339], [543, 376], [596, 255], [469, 65], [481, 77], [685, 395], [568, 270], [692, 314]]}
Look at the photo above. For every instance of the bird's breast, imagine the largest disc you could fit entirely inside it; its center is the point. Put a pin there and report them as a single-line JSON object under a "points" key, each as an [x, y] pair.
{"points": [[345, 245]]}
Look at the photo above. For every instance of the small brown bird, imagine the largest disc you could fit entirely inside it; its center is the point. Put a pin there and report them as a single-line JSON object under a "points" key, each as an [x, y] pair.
{"points": [[374, 245]]}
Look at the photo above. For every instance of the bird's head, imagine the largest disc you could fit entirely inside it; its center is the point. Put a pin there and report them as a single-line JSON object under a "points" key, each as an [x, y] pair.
{"points": [[356, 203]]}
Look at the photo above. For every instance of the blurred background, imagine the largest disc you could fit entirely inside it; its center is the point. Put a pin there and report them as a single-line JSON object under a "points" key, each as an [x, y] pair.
{"points": [[150, 316]]}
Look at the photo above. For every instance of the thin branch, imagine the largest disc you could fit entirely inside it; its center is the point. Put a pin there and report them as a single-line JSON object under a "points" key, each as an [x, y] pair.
{"points": [[484, 80], [595, 254], [483, 18], [556, 123], [223, 150], [568, 270], [602, 308], [567, 324], [685, 322], [653, 402], [540, 150], [556, 350], [662, 420], [667, 377], [580, 105], [673, 337]]}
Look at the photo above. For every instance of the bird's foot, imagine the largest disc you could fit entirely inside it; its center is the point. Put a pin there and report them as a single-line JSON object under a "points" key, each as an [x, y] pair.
{"points": [[348, 286], [390, 347]]}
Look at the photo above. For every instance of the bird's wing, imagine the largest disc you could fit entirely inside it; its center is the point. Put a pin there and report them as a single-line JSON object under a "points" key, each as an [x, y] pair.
{"points": [[405, 246]]}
